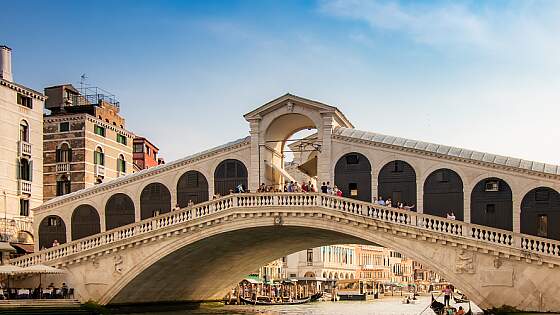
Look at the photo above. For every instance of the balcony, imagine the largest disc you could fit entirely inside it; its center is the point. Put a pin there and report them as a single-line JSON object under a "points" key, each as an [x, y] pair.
{"points": [[99, 170], [24, 186], [63, 167], [24, 148]]}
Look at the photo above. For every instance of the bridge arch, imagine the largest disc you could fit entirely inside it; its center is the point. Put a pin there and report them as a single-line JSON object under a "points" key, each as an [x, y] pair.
{"points": [[397, 180], [229, 174], [540, 213], [155, 199], [52, 228], [443, 192], [85, 222], [192, 185], [119, 211], [352, 174], [492, 203]]}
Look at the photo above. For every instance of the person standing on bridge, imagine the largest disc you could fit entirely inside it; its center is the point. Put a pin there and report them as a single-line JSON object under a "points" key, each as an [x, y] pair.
{"points": [[447, 295], [324, 189]]}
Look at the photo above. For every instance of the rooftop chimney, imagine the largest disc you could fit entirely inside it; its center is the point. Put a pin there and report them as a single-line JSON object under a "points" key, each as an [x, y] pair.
{"points": [[6, 63]]}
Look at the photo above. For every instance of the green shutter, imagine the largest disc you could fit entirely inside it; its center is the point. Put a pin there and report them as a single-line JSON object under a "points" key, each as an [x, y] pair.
{"points": [[18, 169], [30, 171]]}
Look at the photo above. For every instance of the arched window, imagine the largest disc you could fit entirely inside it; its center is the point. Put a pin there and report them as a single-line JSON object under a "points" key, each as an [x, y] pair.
{"points": [[64, 153], [25, 169], [397, 180], [52, 231], [24, 131], [192, 186], [154, 200], [228, 176], [491, 204], [443, 193], [99, 156], [540, 213], [121, 164], [352, 175], [119, 211], [85, 222], [63, 185]]}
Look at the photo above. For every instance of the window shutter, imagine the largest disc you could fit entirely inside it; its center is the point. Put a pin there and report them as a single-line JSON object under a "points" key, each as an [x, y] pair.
{"points": [[18, 169], [58, 156], [30, 171], [69, 154]]}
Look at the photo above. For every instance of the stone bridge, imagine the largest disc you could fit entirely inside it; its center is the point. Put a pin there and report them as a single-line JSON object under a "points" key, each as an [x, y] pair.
{"points": [[198, 253]]}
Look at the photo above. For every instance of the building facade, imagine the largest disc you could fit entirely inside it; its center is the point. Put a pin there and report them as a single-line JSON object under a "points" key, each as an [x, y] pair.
{"points": [[85, 140], [21, 154], [145, 153], [325, 263]]}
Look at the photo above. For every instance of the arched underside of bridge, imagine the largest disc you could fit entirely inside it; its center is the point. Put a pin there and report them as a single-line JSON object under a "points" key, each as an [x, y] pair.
{"points": [[202, 264]]}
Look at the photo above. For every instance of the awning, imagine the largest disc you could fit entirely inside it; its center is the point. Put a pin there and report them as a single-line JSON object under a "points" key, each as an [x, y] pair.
{"points": [[309, 167], [25, 248], [9, 269], [41, 269], [6, 247], [281, 170]]}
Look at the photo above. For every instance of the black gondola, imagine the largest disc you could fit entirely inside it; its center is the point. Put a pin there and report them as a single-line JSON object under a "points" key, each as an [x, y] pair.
{"points": [[436, 306], [316, 296], [267, 301]]}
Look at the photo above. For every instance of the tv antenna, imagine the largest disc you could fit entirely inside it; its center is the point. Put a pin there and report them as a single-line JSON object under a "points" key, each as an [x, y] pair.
{"points": [[83, 78]]}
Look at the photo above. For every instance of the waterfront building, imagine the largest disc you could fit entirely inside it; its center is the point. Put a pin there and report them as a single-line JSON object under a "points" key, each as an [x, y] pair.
{"points": [[145, 154], [325, 263], [21, 158], [373, 263], [85, 140], [273, 271]]}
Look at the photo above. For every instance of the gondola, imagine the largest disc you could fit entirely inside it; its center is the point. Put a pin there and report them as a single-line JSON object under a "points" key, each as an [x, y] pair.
{"points": [[462, 299], [267, 301], [436, 306], [316, 296]]}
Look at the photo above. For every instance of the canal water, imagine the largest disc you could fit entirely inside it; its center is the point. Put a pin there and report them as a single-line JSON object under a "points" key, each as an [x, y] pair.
{"points": [[386, 306]]}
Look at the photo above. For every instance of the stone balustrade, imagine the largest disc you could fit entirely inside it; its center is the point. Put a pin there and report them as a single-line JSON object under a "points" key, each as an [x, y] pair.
{"points": [[501, 239]]}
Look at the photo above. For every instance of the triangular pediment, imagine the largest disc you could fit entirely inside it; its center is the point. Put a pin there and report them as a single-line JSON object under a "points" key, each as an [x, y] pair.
{"points": [[288, 98]]}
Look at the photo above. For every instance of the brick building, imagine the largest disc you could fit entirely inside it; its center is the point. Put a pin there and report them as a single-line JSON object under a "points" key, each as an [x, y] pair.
{"points": [[145, 154]]}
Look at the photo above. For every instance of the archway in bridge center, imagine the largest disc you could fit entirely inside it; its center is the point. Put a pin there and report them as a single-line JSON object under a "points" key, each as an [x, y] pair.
{"points": [[491, 204], [229, 175], [192, 186], [352, 175], [397, 180], [155, 199], [52, 230], [85, 222], [443, 193], [119, 211], [288, 151], [540, 213]]}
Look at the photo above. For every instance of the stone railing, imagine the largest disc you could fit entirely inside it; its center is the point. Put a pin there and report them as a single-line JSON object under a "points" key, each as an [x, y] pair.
{"points": [[24, 148], [458, 229]]}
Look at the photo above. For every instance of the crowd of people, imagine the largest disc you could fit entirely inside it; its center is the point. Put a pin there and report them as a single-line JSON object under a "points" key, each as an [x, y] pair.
{"points": [[50, 292], [389, 203]]}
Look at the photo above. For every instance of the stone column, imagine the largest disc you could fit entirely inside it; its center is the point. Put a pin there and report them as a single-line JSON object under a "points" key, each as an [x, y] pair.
{"points": [[516, 213], [255, 159], [467, 204], [419, 196], [324, 163], [374, 177]]}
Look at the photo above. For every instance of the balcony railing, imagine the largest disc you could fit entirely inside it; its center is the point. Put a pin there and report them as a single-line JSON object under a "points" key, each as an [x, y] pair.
{"points": [[24, 186], [24, 148], [63, 167], [99, 170]]}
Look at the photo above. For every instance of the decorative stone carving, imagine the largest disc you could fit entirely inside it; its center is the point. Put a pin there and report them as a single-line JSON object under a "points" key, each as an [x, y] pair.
{"points": [[497, 262], [119, 261], [278, 220], [290, 106], [465, 262]]}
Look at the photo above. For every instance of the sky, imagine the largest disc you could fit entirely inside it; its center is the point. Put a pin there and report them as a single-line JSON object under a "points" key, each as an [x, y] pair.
{"points": [[483, 75]]}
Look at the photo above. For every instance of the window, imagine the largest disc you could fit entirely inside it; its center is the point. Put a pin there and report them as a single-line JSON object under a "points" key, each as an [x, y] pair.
{"points": [[98, 156], [492, 185], [490, 208], [24, 207], [23, 131], [309, 256], [397, 167], [121, 164], [542, 225], [148, 151], [353, 189], [121, 139], [64, 153], [542, 195], [442, 176], [63, 186], [64, 126], [352, 159], [25, 169], [53, 221], [138, 148], [24, 100], [99, 130]]}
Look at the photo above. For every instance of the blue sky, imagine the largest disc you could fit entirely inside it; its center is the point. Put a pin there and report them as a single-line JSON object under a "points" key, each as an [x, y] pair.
{"points": [[484, 75]]}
